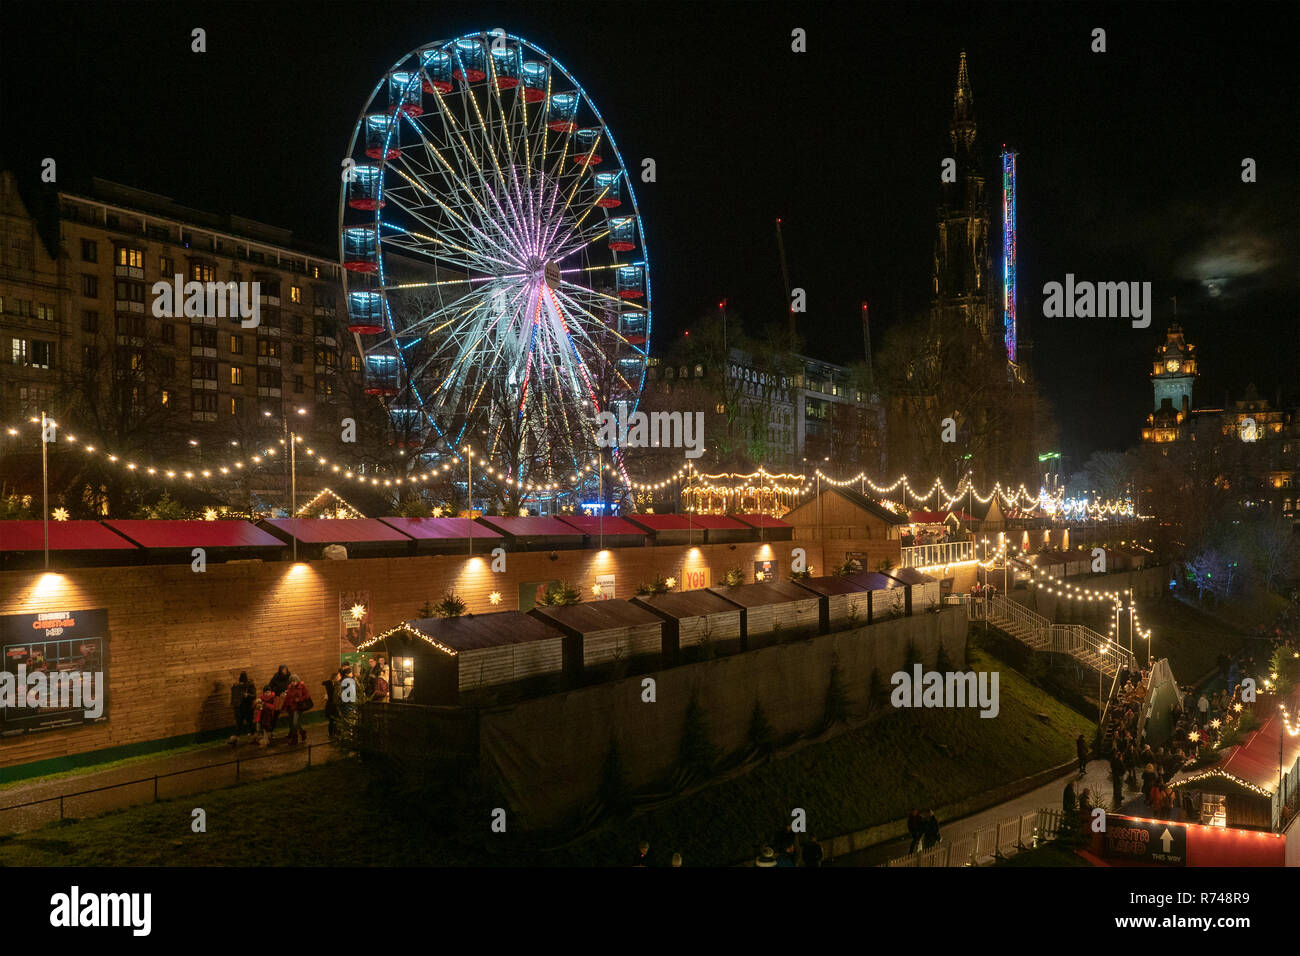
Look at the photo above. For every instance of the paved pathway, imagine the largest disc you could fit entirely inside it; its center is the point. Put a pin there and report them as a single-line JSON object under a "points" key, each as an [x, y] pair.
{"points": [[195, 771], [1047, 796]]}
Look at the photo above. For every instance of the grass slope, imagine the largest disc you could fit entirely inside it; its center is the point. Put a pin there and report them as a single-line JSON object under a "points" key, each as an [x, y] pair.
{"points": [[325, 816]]}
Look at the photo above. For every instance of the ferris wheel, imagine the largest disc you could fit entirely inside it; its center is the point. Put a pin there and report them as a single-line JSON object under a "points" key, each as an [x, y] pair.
{"points": [[495, 266]]}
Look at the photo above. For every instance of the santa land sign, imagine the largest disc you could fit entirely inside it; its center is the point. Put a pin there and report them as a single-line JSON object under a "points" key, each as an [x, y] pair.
{"points": [[1145, 841]]}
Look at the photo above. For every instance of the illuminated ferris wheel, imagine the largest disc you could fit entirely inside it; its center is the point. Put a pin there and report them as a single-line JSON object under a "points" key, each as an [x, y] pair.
{"points": [[495, 266]]}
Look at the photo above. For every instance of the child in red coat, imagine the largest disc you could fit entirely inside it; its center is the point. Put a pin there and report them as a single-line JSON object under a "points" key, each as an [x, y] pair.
{"points": [[264, 714]]}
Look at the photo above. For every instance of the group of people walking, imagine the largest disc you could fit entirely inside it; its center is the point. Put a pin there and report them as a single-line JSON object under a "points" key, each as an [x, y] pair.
{"points": [[258, 713]]}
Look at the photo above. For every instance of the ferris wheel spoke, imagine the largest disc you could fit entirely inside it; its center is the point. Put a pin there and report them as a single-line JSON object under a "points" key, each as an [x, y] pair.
{"points": [[464, 188]]}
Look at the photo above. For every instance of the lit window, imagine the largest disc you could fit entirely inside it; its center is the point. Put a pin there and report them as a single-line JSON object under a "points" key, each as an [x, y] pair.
{"points": [[295, 293]]}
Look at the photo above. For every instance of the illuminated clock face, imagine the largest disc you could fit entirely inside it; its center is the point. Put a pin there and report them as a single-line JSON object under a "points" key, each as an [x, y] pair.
{"points": [[1171, 365]]}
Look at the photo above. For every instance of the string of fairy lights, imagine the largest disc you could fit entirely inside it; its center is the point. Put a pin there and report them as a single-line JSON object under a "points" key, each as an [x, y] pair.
{"points": [[1073, 592], [697, 483]]}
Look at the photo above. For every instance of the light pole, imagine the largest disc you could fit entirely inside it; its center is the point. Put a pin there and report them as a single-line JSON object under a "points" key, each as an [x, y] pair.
{"points": [[1105, 648], [46, 425], [469, 496]]}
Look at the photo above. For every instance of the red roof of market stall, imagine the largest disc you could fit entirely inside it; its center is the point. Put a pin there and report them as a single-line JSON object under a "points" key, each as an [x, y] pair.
{"points": [[610, 524], [337, 530], [762, 521], [64, 536], [426, 529], [154, 533]]}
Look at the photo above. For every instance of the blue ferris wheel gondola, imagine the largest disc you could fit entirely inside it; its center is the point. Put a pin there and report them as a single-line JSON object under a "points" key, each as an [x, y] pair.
{"points": [[365, 312], [586, 150], [363, 189], [606, 190], [381, 137], [505, 64], [535, 77], [437, 66], [361, 249], [405, 93], [622, 233], [631, 282], [383, 373], [469, 51], [564, 107]]}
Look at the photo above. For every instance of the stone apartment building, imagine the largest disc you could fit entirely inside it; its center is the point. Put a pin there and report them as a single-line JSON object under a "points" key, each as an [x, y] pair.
{"points": [[80, 340]]}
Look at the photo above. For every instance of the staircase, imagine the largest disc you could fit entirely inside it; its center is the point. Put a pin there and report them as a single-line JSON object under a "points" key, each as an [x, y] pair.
{"points": [[1082, 643]]}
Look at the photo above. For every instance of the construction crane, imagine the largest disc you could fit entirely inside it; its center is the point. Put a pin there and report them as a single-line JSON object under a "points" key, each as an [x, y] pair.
{"points": [[785, 276]]}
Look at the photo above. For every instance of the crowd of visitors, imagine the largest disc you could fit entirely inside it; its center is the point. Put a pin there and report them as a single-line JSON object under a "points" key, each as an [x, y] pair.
{"points": [[286, 696], [256, 713]]}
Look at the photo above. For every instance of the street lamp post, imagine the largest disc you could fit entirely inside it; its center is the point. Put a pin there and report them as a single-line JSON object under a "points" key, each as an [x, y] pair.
{"points": [[1105, 648], [45, 486], [469, 496]]}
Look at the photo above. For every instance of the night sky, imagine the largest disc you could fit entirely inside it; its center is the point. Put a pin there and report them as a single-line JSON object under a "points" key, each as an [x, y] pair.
{"points": [[1129, 160]]}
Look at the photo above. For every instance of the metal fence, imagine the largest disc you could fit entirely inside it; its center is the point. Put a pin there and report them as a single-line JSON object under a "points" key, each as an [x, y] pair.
{"points": [[987, 844], [21, 817], [923, 555]]}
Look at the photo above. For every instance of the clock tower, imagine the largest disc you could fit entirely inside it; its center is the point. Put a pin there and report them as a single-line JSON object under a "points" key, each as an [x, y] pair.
{"points": [[1173, 372]]}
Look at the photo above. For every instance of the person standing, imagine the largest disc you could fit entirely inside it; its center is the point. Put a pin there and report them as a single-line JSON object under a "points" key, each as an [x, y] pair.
{"points": [[331, 686], [264, 714], [242, 693], [1117, 779], [1081, 749], [812, 852], [931, 829], [915, 829], [297, 701], [279, 684], [381, 679], [1202, 708]]}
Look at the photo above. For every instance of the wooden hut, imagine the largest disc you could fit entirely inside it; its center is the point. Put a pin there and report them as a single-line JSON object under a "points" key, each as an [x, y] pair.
{"points": [[921, 591], [692, 619], [844, 513], [536, 533], [842, 602], [73, 544], [670, 529], [768, 527], [773, 610], [888, 596], [722, 529], [1241, 788], [447, 535], [447, 659], [602, 635], [362, 537], [609, 531]]}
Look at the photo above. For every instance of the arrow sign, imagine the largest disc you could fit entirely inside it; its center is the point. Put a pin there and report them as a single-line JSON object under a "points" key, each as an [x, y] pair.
{"points": [[1135, 840]]}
